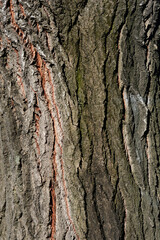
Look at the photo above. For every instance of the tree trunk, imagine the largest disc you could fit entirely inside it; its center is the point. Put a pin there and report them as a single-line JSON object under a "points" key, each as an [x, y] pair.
{"points": [[79, 120]]}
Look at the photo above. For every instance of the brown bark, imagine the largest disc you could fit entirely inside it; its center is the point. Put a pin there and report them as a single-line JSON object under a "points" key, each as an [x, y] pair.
{"points": [[79, 119]]}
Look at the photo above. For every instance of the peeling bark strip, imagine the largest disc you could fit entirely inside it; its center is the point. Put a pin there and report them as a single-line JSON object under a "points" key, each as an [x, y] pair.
{"points": [[79, 120]]}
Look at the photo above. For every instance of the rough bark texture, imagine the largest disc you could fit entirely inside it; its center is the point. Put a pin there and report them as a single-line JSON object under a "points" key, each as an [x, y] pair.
{"points": [[79, 119]]}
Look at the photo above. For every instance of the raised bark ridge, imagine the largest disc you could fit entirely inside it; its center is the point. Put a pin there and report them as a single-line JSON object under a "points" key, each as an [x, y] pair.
{"points": [[79, 105]]}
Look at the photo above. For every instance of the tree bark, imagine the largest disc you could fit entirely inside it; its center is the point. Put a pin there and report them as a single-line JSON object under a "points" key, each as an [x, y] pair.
{"points": [[79, 120]]}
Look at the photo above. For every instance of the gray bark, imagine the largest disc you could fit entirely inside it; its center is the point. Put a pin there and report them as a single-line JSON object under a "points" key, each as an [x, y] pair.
{"points": [[79, 120]]}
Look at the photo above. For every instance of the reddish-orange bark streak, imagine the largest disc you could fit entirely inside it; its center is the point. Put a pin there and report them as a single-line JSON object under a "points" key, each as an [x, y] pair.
{"points": [[44, 71], [37, 145], [9, 42], [53, 225], [41, 65], [1, 43], [15, 25], [55, 163], [38, 29], [37, 118], [53, 195], [46, 11], [22, 10], [12, 102], [33, 51], [53, 98], [7, 64], [21, 33], [12, 13]]}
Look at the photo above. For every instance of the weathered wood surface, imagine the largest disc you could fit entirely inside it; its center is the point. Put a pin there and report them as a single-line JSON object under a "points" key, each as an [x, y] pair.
{"points": [[79, 119]]}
